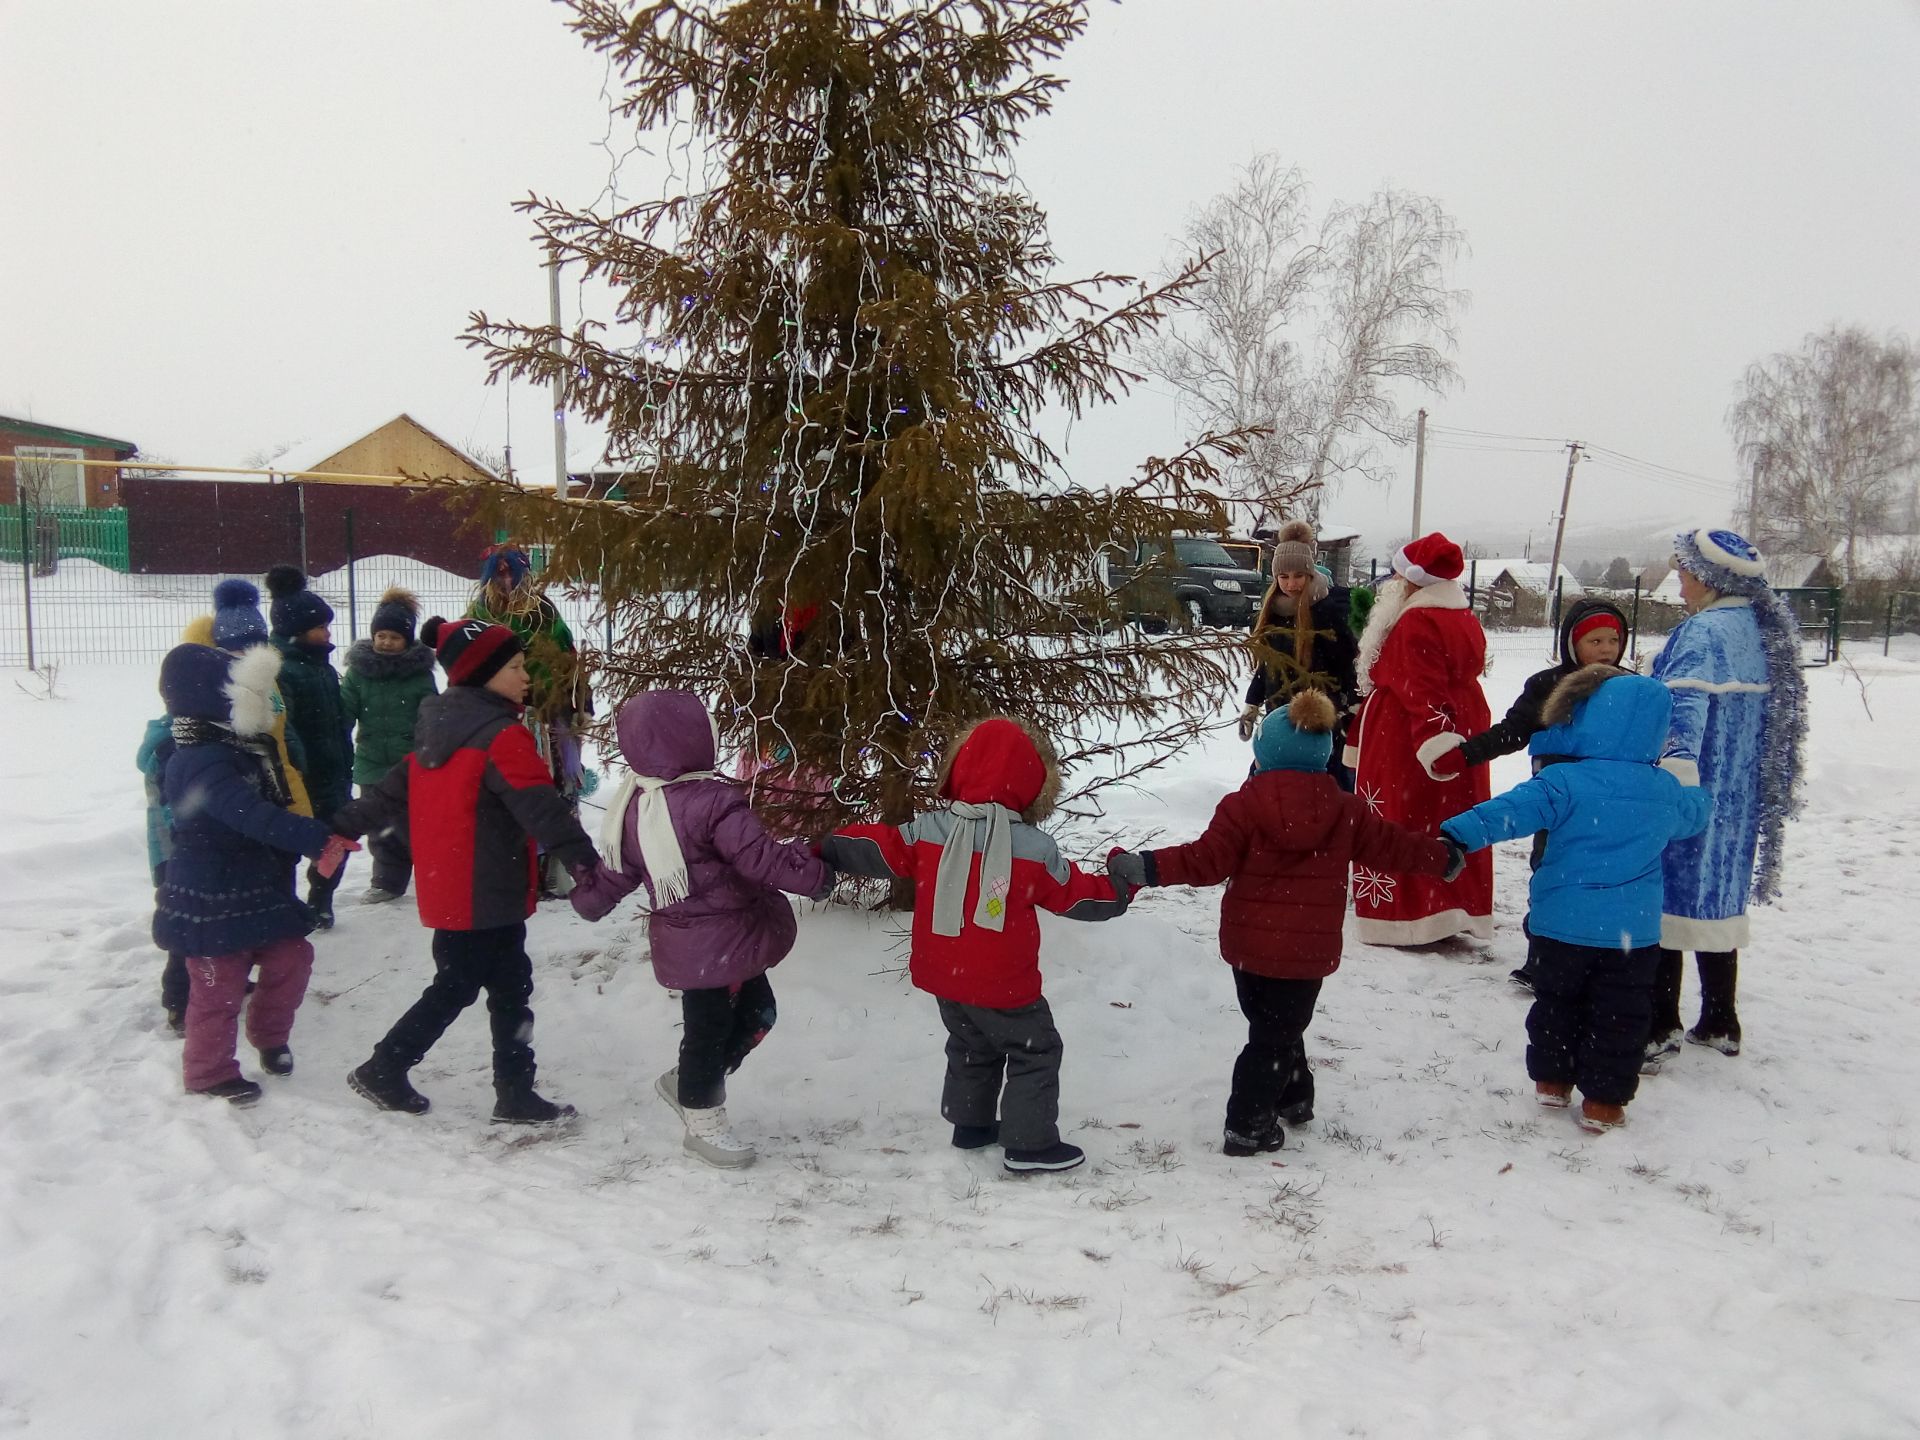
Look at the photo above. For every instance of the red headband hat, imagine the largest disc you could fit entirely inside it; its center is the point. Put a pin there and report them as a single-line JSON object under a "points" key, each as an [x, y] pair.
{"points": [[1599, 620], [1430, 558]]}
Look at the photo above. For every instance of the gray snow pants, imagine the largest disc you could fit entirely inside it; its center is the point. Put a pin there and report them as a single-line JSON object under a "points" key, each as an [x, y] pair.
{"points": [[983, 1046]]}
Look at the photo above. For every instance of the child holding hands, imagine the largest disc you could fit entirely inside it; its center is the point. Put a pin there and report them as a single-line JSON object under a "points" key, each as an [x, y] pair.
{"points": [[719, 921], [1609, 812], [981, 870], [1283, 843]]}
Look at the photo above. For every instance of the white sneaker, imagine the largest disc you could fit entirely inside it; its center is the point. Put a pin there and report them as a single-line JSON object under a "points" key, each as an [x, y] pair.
{"points": [[709, 1139], [667, 1087]]}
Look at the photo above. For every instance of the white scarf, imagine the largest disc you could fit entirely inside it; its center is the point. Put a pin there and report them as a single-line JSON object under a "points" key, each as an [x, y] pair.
{"points": [[653, 825], [956, 862]]}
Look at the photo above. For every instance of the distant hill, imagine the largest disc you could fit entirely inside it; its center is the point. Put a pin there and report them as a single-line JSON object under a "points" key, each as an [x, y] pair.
{"points": [[1641, 541]]}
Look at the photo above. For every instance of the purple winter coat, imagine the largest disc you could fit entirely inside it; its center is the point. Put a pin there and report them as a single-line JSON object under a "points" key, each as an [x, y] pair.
{"points": [[733, 924]]}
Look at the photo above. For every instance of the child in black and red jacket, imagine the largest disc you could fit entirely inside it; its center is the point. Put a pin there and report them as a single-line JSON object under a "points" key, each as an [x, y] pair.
{"points": [[981, 871], [475, 798]]}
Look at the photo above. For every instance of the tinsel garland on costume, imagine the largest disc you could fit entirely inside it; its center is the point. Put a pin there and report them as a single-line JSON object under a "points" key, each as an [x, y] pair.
{"points": [[1726, 562]]}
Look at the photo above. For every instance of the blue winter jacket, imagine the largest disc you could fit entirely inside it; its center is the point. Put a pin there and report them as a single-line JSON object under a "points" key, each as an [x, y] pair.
{"points": [[1715, 667], [230, 883], [155, 746], [1609, 813]]}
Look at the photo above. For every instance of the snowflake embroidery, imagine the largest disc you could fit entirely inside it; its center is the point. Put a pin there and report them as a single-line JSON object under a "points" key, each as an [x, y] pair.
{"points": [[1372, 796], [1370, 887], [1440, 717]]}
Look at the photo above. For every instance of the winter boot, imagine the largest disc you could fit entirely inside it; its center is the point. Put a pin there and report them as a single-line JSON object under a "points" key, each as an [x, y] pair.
{"points": [[709, 1139], [320, 907], [237, 1091], [1523, 977], [1552, 1094], [1721, 1035], [379, 895], [277, 1060], [1660, 1047], [1057, 1156], [976, 1137], [177, 1023], [1298, 1113], [1274, 1137], [1596, 1118], [387, 1088], [520, 1105]]}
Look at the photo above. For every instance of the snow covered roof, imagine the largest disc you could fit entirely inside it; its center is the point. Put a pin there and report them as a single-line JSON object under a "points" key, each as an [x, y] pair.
{"points": [[1790, 571], [1529, 575], [312, 457], [1881, 557], [1667, 592]]}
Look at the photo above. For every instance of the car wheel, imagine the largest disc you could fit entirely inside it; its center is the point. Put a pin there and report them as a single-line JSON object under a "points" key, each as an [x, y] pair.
{"points": [[1195, 614]]}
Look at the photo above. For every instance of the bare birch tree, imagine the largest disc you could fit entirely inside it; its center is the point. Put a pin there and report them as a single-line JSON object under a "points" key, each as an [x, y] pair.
{"points": [[1308, 329], [1831, 435]]}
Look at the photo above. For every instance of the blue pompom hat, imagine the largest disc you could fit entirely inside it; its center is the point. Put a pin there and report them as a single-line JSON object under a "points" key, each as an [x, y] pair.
{"points": [[237, 621], [1726, 562], [296, 609], [1300, 737]]}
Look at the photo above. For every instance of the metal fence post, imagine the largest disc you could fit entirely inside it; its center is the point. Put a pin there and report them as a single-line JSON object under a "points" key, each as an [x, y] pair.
{"points": [[26, 571], [353, 598], [1473, 581], [1833, 625], [1886, 639]]}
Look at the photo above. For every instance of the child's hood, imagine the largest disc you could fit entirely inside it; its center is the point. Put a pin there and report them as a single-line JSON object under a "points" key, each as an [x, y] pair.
{"points": [[1581, 610], [666, 734], [1003, 762], [1296, 810], [1601, 712]]}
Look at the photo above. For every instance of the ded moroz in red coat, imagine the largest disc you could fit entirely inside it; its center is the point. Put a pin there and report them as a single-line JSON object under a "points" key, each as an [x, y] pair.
{"points": [[1283, 842], [997, 761], [1420, 664]]}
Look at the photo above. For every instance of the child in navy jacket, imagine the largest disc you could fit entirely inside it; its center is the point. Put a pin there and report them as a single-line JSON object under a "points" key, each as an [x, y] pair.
{"points": [[1609, 813], [227, 901]]}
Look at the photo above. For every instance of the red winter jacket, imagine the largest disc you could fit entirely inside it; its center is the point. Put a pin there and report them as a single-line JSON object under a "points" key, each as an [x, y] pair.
{"points": [[1283, 842], [996, 761], [474, 797]]}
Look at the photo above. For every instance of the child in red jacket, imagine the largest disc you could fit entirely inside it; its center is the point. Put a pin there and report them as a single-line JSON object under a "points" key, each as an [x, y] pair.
{"points": [[1283, 842], [981, 869]]}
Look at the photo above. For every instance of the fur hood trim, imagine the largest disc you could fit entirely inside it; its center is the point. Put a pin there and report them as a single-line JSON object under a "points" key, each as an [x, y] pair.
{"points": [[1049, 796], [370, 664], [250, 689], [1577, 688]]}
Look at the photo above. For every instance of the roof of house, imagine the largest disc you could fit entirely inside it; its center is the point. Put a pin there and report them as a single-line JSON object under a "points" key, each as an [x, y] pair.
{"points": [[1882, 557], [313, 457], [1790, 571], [60, 435], [1529, 575]]}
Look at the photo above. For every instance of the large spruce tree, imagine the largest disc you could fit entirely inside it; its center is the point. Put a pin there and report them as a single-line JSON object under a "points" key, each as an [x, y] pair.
{"points": [[826, 374]]}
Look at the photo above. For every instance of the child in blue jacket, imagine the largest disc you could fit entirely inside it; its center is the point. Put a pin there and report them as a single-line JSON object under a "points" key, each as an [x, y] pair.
{"points": [[1609, 814]]}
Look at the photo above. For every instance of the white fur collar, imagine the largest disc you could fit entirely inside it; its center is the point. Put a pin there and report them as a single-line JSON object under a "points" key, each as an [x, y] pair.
{"points": [[250, 687], [1396, 596]]}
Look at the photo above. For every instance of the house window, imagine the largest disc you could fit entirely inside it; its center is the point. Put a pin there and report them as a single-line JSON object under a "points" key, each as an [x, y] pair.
{"points": [[51, 475]]}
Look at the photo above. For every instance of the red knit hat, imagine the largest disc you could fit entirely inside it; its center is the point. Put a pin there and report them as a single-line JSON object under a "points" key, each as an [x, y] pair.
{"points": [[472, 652], [1430, 558], [1599, 620]]}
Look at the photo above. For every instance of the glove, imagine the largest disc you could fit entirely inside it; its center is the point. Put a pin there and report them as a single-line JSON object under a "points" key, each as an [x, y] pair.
{"points": [[1249, 721], [334, 855], [1456, 859], [1440, 756], [1127, 868]]}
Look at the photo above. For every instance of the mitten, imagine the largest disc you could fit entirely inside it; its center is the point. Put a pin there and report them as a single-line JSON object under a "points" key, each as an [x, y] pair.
{"points": [[1440, 756], [1249, 721], [335, 854], [1456, 859], [1128, 868]]}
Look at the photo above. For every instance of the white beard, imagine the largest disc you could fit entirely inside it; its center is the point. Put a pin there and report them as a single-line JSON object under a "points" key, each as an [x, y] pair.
{"points": [[1388, 602]]}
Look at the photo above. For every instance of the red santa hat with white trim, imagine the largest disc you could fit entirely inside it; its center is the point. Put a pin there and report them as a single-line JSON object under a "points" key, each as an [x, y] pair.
{"points": [[1430, 558]]}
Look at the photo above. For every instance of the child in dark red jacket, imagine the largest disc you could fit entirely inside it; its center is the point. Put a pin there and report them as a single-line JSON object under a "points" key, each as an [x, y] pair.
{"points": [[1283, 842], [475, 797], [981, 870]]}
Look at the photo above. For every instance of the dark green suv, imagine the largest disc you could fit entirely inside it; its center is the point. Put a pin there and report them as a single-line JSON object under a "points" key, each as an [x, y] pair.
{"points": [[1194, 583]]}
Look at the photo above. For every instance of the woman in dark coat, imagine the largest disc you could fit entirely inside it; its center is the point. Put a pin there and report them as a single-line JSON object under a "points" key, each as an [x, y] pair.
{"points": [[1300, 640]]}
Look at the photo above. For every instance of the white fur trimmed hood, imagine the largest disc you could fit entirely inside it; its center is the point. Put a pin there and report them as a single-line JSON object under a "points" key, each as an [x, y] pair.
{"points": [[251, 689]]}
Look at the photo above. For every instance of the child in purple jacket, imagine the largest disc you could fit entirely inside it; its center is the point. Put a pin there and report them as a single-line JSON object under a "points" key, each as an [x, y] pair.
{"points": [[718, 921]]}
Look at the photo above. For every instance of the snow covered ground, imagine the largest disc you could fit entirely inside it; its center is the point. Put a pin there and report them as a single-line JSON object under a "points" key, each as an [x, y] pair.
{"points": [[1433, 1256]]}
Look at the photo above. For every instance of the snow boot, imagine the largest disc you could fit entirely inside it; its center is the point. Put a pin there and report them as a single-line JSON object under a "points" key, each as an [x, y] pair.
{"points": [[379, 895], [1717, 1032], [1057, 1156], [237, 1091], [277, 1060], [976, 1137], [1298, 1113], [709, 1139], [1660, 1047], [1596, 1118], [1523, 977], [320, 907], [521, 1105], [177, 1023], [387, 1088], [1552, 1094], [1274, 1137]]}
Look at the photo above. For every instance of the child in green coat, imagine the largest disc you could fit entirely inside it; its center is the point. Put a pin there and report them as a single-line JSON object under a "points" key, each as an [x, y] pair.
{"points": [[302, 632], [388, 675]]}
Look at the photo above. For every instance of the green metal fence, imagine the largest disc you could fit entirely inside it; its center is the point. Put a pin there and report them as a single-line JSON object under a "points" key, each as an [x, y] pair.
{"points": [[65, 532]]}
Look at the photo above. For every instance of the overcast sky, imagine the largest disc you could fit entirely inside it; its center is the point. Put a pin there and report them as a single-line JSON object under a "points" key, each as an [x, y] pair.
{"points": [[237, 225]]}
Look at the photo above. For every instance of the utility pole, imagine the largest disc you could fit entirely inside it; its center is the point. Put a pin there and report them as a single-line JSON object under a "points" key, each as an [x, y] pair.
{"points": [[1419, 467], [559, 381], [1574, 447]]}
